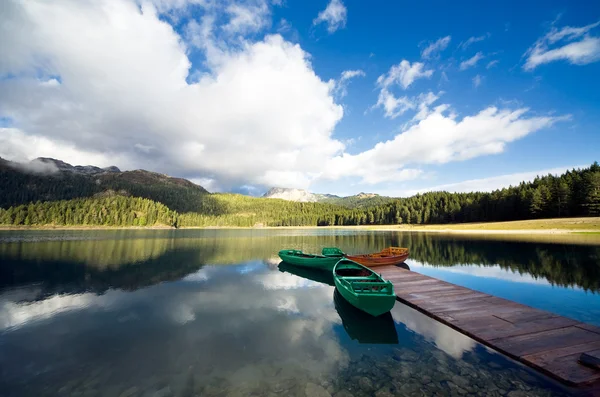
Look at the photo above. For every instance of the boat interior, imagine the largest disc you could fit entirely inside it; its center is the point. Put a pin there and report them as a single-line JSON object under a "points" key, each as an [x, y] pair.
{"points": [[386, 253], [353, 272]]}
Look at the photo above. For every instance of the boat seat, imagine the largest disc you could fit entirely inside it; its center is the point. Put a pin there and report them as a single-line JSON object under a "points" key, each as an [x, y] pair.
{"points": [[376, 287]]}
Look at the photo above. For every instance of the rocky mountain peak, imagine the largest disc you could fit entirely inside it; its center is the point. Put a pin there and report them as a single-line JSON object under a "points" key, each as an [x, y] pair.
{"points": [[50, 165]]}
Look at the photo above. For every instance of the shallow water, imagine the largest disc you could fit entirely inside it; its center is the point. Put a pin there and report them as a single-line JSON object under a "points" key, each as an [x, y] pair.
{"points": [[210, 313]]}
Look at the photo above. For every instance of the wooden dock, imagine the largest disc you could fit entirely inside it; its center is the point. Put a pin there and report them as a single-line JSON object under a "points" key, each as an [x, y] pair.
{"points": [[545, 341]]}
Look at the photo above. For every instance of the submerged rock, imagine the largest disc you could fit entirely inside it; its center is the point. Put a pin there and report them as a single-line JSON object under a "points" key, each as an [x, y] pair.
{"points": [[365, 384], [132, 391], [313, 390], [343, 393]]}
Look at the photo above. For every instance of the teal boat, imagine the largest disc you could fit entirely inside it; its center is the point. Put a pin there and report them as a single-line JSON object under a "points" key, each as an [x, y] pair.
{"points": [[363, 288], [323, 262]]}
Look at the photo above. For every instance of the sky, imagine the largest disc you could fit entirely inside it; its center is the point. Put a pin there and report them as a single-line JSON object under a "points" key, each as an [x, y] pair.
{"points": [[333, 96]]}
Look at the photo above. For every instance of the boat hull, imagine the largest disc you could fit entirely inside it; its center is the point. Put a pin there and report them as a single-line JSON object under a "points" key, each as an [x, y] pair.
{"points": [[351, 288], [298, 258], [389, 256]]}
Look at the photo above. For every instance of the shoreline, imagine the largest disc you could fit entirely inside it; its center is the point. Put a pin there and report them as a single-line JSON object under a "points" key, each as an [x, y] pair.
{"points": [[557, 226]]}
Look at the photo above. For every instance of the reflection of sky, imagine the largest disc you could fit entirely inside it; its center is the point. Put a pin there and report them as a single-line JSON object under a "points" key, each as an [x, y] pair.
{"points": [[215, 319], [240, 326], [522, 288]]}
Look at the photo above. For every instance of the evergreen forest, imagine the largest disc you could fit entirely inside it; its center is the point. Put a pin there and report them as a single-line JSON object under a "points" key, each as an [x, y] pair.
{"points": [[141, 198]]}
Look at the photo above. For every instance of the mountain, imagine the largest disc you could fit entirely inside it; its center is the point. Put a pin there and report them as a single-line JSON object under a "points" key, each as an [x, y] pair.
{"points": [[48, 179], [51, 192], [53, 165], [360, 200], [298, 195]]}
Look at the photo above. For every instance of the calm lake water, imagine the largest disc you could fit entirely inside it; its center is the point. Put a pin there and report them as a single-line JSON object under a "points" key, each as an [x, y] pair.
{"points": [[210, 313]]}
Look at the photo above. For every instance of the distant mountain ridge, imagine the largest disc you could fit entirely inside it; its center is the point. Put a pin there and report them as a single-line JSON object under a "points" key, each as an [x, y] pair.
{"points": [[302, 196], [48, 179], [298, 195]]}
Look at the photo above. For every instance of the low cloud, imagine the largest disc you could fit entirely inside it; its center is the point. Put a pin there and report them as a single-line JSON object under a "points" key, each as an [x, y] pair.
{"points": [[256, 113], [492, 64], [334, 15], [404, 74], [341, 85], [471, 62], [492, 183], [472, 40], [437, 46], [574, 45], [438, 138]]}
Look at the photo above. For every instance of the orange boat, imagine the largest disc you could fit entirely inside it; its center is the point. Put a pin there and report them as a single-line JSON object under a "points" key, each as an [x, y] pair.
{"points": [[388, 256]]}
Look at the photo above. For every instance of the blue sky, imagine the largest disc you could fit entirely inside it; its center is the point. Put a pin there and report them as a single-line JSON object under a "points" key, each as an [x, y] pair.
{"points": [[331, 96]]}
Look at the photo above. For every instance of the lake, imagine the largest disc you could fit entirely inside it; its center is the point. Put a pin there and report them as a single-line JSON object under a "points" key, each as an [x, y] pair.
{"points": [[210, 313]]}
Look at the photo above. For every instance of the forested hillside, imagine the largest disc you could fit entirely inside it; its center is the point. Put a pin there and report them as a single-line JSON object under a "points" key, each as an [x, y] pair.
{"points": [[18, 186], [141, 198]]}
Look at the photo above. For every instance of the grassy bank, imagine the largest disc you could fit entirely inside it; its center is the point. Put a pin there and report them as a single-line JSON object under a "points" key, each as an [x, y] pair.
{"points": [[557, 225], [537, 226]]}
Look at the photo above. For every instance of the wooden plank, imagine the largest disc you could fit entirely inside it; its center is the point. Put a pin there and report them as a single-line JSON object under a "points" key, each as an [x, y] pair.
{"points": [[425, 289], [591, 359], [540, 339], [511, 329], [527, 314], [544, 358], [589, 327], [453, 296], [546, 340], [578, 374]]}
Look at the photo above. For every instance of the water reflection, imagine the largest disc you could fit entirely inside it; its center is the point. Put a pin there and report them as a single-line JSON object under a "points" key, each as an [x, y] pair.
{"points": [[363, 327], [170, 317], [34, 253], [246, 329], [307, 273]]}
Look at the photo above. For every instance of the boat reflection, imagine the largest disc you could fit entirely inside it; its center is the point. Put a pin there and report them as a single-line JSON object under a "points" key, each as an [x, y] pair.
{"points": [[365, 328], [319, 276]]}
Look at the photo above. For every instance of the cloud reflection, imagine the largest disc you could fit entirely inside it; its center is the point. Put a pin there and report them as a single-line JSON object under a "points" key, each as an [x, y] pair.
{"points": [[445, 338], [494, 271]]}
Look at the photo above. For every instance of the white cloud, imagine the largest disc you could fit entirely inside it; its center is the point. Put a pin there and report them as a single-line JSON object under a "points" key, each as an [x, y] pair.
{"points": [[257, 114], [392, 106], [284, 26], [471, 62], [477, 81], [247, 18], [578, 47], [438, 139], [435, 47], [341, 85], [491, 64], [404, 74], [424, 101], [472, 40], [334, 15], [492, 183]]}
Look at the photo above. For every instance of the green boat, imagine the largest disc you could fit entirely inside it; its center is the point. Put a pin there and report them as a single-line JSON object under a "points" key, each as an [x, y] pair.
{"points": [[299, 258], [363, 288]]}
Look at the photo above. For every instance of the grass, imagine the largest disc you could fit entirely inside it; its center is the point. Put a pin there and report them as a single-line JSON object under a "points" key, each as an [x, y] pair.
{"points": [[578, 225]]}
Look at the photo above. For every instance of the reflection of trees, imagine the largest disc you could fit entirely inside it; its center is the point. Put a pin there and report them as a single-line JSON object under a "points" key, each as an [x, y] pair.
{"points": [[565, 265], [133, 259], [63, 276]]}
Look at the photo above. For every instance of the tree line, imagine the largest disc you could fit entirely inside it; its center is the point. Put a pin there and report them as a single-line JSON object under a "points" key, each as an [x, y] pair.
{"points": [[575, 193]]}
